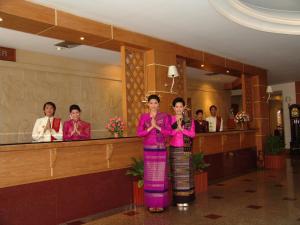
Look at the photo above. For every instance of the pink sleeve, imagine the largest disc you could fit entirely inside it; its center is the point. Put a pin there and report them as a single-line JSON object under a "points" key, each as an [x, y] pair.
{"points": [[141, 131], [166, 129], [66, 131], [86, 131], [190, 132]]}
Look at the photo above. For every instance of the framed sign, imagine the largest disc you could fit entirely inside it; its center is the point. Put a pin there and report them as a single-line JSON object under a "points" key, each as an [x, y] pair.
{"points": [[7, 54]]}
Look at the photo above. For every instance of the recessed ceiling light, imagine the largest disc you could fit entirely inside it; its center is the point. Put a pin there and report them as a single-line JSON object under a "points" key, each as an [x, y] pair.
{"points": [[227, 71], [202, 65], [1, 19], [82, 38]]}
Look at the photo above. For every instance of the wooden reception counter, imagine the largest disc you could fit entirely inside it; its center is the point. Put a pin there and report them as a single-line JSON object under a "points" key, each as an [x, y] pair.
{"points": [[229, 153], [211, 143], [62, 181], [28, 163]]}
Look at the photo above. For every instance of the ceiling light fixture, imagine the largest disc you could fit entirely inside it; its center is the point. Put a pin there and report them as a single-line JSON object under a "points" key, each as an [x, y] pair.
{"points": [[82, 38], [202, 65], [227, 70], [1, 19]]}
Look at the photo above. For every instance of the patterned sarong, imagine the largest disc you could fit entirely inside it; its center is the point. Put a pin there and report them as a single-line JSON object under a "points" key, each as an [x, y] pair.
{"points": [[155, 177]]}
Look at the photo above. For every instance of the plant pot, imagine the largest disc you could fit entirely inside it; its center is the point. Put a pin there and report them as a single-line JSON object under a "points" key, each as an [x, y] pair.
{"points": [[200, 182], [138, 194], [275, 161], [116, 135]]}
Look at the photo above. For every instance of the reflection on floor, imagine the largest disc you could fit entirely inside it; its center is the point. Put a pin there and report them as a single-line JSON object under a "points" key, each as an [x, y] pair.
{"points": [[262, 197]]}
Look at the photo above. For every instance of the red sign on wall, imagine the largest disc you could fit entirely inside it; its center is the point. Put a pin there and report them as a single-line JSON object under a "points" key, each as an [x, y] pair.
{"points": [[7, 54]]}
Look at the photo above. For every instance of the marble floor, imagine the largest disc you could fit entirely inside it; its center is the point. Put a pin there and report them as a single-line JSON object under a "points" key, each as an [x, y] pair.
{"points": [[263, 197]]}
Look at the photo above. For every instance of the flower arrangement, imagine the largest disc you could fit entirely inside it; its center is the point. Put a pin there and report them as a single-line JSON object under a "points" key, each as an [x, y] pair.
{"points": [[116, 126], [241, 117]]}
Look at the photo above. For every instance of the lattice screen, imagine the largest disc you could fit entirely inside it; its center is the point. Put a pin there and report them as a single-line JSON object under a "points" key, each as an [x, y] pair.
{"points": [[247, 95], [179, 86], [135, 87]]}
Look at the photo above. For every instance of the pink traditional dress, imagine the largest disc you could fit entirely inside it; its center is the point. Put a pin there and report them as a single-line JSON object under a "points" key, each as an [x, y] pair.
{"points": [[84, 129], [181, 161], [155, 160]]}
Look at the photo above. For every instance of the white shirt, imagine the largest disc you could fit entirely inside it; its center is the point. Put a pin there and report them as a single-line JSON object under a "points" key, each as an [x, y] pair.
{"points": [[38, 133], [212, 124]]}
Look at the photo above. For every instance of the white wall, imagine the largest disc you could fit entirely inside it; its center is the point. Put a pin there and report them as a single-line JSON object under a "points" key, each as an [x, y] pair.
{"points": [[288, 91]]}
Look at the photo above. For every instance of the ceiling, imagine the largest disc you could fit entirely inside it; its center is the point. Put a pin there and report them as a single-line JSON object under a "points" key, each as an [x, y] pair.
{"points": [[290, 5], [199, 74], [197, 25], [30, 42]]}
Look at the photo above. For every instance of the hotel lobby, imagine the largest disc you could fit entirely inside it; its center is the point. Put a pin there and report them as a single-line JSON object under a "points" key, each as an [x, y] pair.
{"points": [[100, 67]]}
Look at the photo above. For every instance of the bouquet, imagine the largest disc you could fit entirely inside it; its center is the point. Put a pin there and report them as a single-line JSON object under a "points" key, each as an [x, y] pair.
{"points": [[241, 117], [116, 126]]}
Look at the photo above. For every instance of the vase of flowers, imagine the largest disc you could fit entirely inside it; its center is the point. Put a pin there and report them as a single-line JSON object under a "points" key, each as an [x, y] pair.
{"points": [[242, 119], [116, 126]]}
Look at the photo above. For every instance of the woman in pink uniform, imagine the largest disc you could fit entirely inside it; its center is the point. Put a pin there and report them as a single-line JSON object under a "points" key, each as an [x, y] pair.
{"points": [[154, 127], [183, 130]]}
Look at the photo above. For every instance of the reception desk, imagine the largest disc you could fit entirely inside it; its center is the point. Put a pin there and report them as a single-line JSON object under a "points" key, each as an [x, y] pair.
{"points": [[62, 181], [51, 183], [229, 153]]}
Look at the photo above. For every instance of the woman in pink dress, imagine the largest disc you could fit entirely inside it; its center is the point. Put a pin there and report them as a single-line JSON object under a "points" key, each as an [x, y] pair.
{"points": [[154, 127], [74, 128], [183, 130]]}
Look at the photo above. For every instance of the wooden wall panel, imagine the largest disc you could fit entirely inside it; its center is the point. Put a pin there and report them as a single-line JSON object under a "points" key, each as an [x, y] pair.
{"points": [[22, 24], [231, 64], [118, 158], [73, 161], [214, 60], [18, 167], [70, 27], [29, 163], [248, 140], [27, 10], [211, 144], [231, 142], [297, 84]]}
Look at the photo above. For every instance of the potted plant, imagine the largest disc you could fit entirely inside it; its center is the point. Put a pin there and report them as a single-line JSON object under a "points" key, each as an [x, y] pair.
{"points": [[274, 154], [199, 167], [137, 171]]}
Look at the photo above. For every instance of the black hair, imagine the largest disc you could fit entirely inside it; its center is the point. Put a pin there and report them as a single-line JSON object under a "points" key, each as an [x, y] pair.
{"points": [[153, 97], [178, 99], [213, 106], [75, 107], [199, 111], [52, 104]]}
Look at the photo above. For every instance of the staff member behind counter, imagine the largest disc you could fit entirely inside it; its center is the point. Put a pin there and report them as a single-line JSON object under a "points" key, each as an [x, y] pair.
{"points": [[215, 123]]}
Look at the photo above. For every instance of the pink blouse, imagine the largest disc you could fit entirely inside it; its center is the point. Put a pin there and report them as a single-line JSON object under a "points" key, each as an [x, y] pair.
{"points": [[84, 129], [177, 136], [154, 137]]}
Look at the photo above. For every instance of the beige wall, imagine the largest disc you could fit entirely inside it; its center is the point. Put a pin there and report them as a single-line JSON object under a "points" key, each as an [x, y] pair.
{"points": [[274, 106], [204, 94], [35, 78], [288, 91]]}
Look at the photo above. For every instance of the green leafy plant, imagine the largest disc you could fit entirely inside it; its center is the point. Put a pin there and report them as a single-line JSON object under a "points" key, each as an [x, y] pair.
{"points": [[275, 145], [137, 170], [199, 164]]}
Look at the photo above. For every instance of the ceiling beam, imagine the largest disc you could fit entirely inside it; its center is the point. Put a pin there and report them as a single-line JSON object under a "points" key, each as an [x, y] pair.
{"points": [[36, 19]]}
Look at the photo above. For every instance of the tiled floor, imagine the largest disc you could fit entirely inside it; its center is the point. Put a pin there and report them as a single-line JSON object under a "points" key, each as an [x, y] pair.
{"points": [[262, 197]]}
